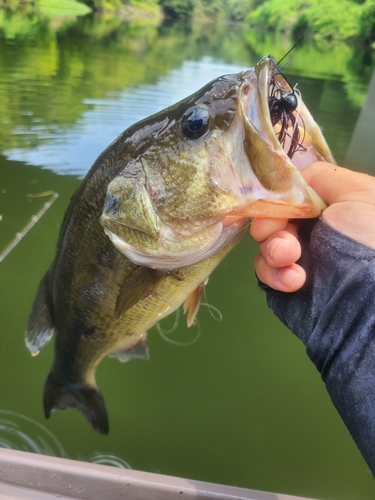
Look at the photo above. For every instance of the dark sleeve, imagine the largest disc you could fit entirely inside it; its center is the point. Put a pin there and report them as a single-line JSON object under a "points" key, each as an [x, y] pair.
{"points": [[334, 316]]}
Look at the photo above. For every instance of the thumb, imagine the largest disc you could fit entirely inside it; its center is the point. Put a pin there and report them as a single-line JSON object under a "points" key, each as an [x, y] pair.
{"points": [[336, 184]]}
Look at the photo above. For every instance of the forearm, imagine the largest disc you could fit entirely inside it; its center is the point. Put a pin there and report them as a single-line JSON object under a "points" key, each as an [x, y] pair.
{"points": [[334, 315]]}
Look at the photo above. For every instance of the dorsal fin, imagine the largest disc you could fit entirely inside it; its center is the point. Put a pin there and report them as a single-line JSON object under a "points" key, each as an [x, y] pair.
{"points": [[139, 284], [138, 350], [40, 326], [192, 303]]}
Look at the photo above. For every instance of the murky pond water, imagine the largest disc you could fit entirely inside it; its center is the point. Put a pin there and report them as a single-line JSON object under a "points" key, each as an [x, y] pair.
{"points": [[242, 405]]}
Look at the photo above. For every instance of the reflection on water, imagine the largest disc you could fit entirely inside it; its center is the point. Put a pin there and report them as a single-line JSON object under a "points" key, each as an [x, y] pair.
{"points": [[120, 73], [18, 432], [73, 151]]}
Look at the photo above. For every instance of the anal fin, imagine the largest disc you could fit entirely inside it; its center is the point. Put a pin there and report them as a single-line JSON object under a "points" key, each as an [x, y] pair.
{"points": [[138, 350], [40, 325]]}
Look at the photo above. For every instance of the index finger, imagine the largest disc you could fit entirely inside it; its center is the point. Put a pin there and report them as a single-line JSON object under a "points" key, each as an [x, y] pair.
{"points": [[262, 227]]}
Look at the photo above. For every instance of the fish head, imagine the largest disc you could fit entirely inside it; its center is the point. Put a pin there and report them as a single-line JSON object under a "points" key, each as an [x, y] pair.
{"points": [[199, 170]]}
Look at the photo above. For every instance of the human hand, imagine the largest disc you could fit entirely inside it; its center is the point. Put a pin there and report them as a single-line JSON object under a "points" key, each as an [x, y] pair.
{"points": [[350, 197]]}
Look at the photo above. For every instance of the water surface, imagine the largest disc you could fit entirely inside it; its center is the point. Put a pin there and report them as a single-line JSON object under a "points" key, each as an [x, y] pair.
{"points": [[242, 405]]}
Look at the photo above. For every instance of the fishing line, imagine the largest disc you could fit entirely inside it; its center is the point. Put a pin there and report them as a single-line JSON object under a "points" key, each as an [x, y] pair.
{"points": [[298, 92], [290, 50], [180, 344], [212, 309], [174, 326]]}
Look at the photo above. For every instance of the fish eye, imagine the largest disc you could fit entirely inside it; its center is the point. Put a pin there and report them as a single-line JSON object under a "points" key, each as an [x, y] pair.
{"points": [[195, 122]]}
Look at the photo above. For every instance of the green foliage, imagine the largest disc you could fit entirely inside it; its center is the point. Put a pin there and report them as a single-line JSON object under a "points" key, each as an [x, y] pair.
{"points": [[47, 8], [223, 10], [332, 19], [61, 8], [367, 21], [276, 14], [239, 9], [131, 7], [16, 25], [103, 4], [145, 6], [211, 9], [177, 8], [65, 8], [31, 23], [218, 10]]}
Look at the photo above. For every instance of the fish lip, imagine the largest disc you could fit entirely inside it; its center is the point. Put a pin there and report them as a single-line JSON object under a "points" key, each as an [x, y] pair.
{"points": [[263, 71]]}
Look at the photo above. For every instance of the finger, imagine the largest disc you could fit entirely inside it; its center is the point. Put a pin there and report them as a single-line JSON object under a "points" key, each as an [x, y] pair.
{"points": [[336, 184], [282, 248], [263, 227], [286, 279]]}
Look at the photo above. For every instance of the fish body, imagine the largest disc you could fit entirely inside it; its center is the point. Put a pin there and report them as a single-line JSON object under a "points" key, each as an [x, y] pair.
{"points": [[156, 213]]}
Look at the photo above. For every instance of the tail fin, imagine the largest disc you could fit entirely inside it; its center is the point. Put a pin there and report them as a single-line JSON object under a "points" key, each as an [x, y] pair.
{"points": [[88, 400]]}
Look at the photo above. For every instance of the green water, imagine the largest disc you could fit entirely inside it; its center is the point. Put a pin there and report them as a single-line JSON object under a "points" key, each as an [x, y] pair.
{"points": [[242, 405]]}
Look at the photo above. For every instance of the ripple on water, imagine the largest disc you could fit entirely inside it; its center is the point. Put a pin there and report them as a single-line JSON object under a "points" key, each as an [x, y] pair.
{"points": [[18, 432], [109, 459]]}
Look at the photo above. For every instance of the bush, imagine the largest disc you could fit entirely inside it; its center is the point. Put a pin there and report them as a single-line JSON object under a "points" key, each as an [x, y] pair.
{"points": [[367, 22], [177, 8], [336, 19]]}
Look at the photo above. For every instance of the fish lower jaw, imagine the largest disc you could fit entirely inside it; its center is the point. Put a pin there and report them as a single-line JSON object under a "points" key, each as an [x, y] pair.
{"points": [[283, 210], [298, 201]]}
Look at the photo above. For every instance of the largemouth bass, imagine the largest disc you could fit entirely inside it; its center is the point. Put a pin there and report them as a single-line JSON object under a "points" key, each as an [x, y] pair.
{"points": [[157, 212]]}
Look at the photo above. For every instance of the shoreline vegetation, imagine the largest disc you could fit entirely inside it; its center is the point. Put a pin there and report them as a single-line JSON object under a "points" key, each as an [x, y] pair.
{"points": [[341, 20]]}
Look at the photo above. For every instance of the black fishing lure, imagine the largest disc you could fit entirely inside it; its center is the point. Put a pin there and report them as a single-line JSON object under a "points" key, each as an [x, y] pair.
{"points": [[282, 104]]}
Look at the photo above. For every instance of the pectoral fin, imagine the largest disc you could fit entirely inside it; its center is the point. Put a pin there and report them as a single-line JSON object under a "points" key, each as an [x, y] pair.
{"points": [[138, 350], [40, 326], [139, 284], [192, 303]]}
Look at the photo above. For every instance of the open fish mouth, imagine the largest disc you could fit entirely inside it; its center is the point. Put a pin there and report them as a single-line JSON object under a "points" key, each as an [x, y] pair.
{"points": [[287, 119], [281, 138]]}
